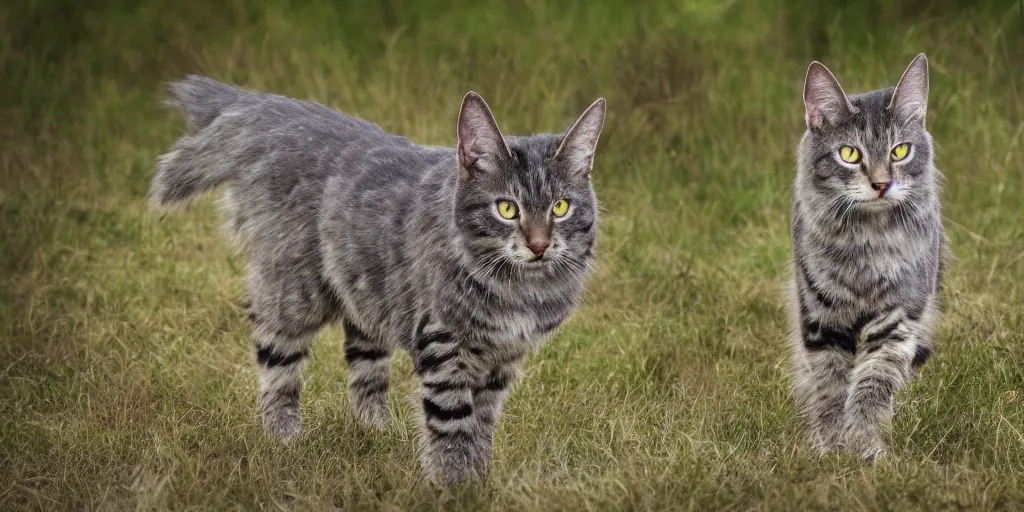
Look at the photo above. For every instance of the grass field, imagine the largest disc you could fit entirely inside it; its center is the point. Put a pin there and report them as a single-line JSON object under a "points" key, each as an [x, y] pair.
{"points": [[126, 374]]}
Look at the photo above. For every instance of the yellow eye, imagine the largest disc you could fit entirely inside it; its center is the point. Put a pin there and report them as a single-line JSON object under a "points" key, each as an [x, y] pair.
{"points": [[849, 154], [508, 209], [560, 208], [900, 152]]}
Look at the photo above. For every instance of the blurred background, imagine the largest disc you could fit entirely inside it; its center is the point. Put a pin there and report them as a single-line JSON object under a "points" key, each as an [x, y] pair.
{"points": [[126, 375]]}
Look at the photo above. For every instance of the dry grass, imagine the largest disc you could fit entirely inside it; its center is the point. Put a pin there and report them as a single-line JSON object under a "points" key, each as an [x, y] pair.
{"points": [[125, 367]]}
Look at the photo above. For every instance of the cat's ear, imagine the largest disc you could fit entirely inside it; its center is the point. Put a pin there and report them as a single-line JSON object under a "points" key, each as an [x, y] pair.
{"points": [[824, 99], [910, 99], [481, 146], [580, 142]]}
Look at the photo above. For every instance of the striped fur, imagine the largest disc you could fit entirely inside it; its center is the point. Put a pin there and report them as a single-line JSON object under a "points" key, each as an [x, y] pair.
{"points": [[402, 244], [367, 375], [866, 264]]}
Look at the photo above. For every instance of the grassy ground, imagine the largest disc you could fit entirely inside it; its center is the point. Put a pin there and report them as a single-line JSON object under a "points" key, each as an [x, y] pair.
{"points": [[125, 366]]}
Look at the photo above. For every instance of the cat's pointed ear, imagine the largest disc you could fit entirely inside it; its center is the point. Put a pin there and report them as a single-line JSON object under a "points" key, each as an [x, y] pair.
{"points": [[910, 99], [481, 146], [580, 142], [824, 99]]}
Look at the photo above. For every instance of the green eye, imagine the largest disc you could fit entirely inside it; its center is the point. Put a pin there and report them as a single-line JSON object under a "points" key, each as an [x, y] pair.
{"points": [[850, 155], [900, 152], [508, 210], [560, 208]]}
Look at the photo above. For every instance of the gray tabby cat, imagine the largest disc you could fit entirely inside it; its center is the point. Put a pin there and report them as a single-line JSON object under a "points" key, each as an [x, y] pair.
{"points": [[867, 245], [466, 257]]}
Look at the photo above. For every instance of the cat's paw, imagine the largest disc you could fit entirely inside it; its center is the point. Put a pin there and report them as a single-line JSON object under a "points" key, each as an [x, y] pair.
{"points": [[452, 460], [864, 441], [825, 436], [368, 397], [874, 453], [446, 475], [825, 443], [283, 424]]}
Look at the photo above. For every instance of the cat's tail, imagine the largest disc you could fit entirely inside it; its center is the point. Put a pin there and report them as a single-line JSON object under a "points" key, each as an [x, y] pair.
{"points": [[209, 156]]}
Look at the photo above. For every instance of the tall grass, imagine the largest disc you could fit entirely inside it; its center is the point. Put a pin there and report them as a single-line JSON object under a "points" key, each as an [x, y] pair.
{"points": [[126, 378]]}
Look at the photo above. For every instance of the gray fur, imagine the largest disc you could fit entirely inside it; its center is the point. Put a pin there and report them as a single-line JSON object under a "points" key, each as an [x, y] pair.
{"points": [[866, 267], [402, 244]]}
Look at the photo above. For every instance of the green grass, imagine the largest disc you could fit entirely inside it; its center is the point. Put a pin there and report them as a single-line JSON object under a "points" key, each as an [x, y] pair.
{"points": [[126, 375]]}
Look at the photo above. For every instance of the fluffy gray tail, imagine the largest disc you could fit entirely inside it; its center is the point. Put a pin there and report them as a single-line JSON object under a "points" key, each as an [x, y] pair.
{"points": [[210, 156]]}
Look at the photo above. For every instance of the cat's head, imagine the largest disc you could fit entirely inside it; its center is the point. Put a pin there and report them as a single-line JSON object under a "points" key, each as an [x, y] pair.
{"points": [[867, 152], [526, 202]]}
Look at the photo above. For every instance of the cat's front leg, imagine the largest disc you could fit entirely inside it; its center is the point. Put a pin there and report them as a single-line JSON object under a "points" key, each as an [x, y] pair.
{"points": [[454, 444], [489, 397], [823, 361], [886, 365], [821, 390]]}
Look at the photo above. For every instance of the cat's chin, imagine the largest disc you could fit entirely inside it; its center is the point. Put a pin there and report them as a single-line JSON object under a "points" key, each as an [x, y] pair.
{"points": [[535, 263], [535, 266], [530, 260], [878, 204], [522, 264]]}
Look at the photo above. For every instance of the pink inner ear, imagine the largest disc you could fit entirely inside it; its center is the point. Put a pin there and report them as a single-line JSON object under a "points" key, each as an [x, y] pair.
{"points": [[814, 118], [466, 155]]}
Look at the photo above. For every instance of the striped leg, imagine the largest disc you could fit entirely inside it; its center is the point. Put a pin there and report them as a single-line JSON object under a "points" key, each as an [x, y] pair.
{"points": [[489, 398], [367, 375], [453, 445], [280, 354], [887, 365], [825, 359]]}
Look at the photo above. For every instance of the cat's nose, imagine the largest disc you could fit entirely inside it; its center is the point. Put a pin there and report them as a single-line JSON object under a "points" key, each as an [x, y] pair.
{"points": [[538, 246], [880, 178]]}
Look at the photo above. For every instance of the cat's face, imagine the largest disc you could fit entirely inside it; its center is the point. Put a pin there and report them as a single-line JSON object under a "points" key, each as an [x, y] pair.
{"points": [[527, 202], [869, 151]]}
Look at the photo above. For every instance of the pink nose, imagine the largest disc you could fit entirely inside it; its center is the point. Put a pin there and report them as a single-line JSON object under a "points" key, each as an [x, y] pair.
{"points": [[882, 187], [538, 246]]}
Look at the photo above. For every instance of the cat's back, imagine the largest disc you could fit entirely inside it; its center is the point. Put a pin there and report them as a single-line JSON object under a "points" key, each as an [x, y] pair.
{"points": [[287, 149], [370, 207]]}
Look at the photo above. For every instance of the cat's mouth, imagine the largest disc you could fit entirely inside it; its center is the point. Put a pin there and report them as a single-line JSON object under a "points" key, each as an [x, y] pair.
{"points": [[877, 196], [529, 258], [888, 191]]}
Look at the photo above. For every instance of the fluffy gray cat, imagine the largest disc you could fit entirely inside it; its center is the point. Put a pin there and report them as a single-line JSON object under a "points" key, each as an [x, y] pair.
{"points": [[466, 257], [867, 247]]}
